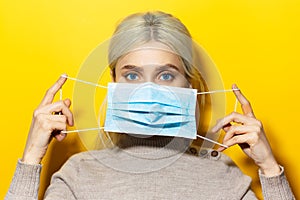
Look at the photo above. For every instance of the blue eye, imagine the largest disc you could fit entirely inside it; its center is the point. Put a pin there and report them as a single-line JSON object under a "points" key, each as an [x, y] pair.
{"points": [[132, 76], [166, 77]]}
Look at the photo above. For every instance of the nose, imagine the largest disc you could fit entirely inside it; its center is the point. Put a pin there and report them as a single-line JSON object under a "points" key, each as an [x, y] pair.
{"points": [[149, 74], [148, 78]]}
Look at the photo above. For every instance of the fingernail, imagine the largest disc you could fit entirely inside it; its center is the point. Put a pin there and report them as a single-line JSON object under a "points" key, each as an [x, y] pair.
{"points": [[213, 129], [64, 76], [220, 149], [234, 86]]}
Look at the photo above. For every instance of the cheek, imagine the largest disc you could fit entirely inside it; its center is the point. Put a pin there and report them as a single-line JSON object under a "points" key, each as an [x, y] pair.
{"points": [[182, 81]]}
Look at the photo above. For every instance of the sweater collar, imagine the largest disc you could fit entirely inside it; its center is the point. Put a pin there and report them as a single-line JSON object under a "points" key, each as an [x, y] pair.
{"points": [[152, 147]]}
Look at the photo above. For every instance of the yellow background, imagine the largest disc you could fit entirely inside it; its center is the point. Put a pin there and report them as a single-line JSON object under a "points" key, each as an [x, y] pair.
{"points": [[254, 43]]}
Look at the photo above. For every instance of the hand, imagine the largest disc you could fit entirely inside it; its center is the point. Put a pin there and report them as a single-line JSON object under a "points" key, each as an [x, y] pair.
{"points": [[44, 123], [248, 132]]}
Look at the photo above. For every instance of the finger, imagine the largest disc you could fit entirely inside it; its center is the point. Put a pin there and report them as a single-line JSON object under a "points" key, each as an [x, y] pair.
{"points": [[57, 126], [245, 104], [68, 112], [57, 132], [49, 96], [244, 140], [51, 122], [60, 137], [67, 102], [238, 130], [227, 127], [220, 149], [57, 118], [239, 139], [60, 106], [233, 117], [233, 131]]}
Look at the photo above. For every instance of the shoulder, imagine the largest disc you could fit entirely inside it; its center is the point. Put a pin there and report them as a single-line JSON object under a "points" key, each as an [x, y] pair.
{"points": [[220, 170], [217, 164], [80, 164], [89, 160], [85, 157]]}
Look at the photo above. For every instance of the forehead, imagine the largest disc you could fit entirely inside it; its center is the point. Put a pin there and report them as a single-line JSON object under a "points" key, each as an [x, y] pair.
{"points": [[153, 53]]}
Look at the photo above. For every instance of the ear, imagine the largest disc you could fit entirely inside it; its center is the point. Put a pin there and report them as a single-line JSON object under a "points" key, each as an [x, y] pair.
{"points": [[113, 75], [189, 85]]}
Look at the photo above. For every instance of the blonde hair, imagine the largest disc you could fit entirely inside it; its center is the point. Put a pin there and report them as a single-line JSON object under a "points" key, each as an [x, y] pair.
{"points": [[141, 28]]}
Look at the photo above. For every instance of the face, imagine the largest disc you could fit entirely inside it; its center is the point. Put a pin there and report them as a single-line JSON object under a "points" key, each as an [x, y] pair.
{"points": [[152, 62]]}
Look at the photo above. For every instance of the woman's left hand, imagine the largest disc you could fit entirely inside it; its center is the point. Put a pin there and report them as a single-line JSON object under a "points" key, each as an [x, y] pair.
{"points": [[248, 132]]}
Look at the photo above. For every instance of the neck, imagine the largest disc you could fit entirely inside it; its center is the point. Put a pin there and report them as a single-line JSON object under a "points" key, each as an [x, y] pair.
{"points": [[152, 146]]}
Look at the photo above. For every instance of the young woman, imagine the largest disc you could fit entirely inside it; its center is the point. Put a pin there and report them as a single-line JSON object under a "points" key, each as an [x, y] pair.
{"points": [[152, 50]]}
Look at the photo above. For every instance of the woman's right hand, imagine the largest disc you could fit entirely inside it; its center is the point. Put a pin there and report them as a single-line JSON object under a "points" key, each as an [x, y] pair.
{"points": [[44, 122]]}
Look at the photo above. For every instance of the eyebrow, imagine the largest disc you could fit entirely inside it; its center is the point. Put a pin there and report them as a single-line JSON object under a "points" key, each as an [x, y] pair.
{"points": [[159, 68], [166, 67], [128, 67]]}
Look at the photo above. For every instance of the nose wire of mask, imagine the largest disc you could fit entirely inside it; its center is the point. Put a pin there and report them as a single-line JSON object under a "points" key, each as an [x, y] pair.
{"points": [[105, 87]]}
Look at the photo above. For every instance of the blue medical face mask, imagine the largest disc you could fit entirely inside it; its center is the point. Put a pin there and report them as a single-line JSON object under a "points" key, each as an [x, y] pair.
{"points": [[151, 109]]}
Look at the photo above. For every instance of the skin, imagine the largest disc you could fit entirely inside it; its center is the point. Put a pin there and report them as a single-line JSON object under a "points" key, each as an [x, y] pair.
{"points": [[152, 62], [44, 123], [249, 134]]}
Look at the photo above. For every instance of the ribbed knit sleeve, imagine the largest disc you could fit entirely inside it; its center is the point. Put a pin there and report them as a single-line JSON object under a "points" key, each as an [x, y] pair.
{"points": [[25, 183], [276, 187]]}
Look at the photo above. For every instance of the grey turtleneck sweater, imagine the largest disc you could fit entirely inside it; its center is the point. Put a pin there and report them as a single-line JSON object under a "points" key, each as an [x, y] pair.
{"points": [[156, 168]]}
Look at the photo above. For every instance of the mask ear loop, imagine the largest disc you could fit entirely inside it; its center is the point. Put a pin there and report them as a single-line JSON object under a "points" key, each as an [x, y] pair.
{"points": [[218, 91], [101, 129], [88, 83], [108, 136], [236, 104], [82, 81], [235, 108]]}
